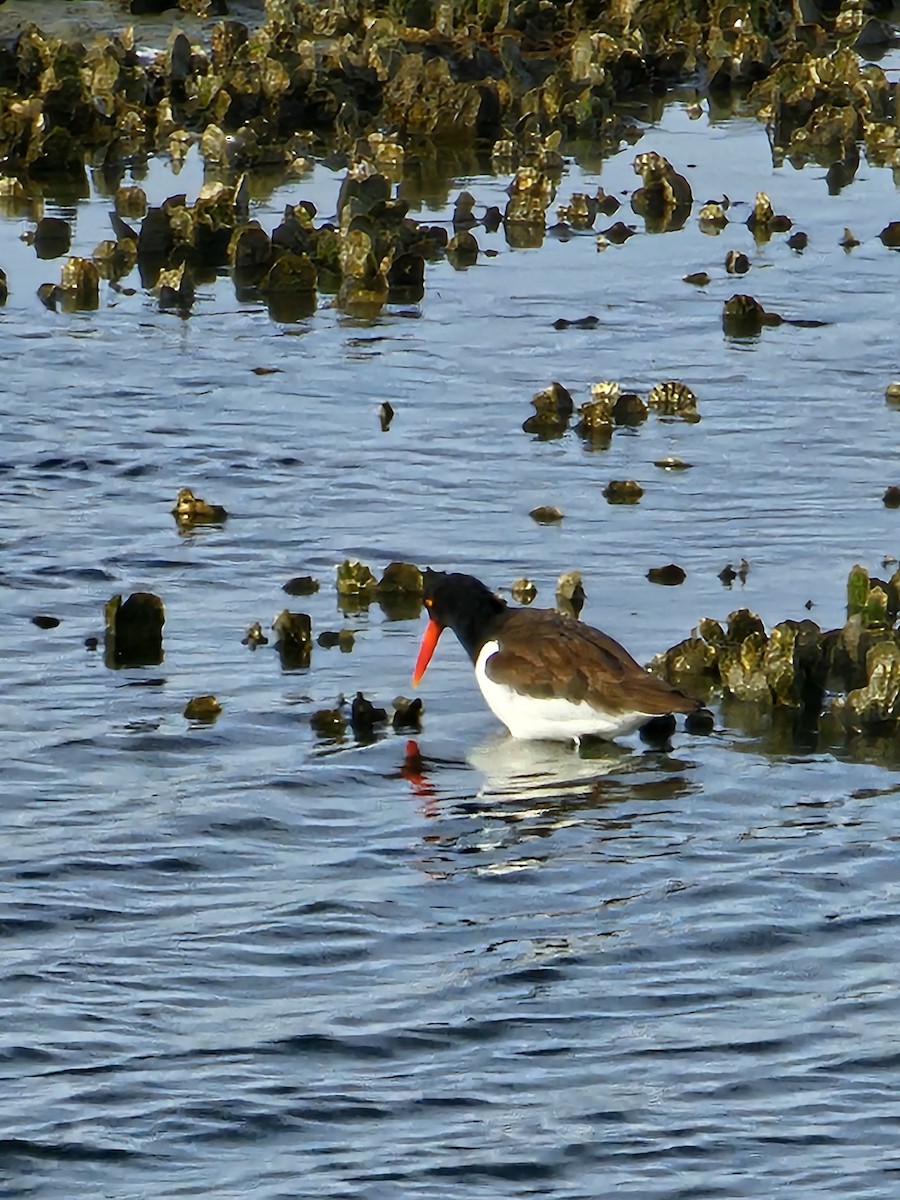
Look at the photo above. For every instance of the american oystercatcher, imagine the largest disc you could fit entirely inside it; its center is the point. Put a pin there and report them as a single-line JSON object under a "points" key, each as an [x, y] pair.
{"points": [[545, 675]]}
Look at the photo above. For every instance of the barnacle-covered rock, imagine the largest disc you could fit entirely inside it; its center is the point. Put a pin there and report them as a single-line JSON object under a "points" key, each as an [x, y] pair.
{"points": [[364, 716], [80, 285], [328, 723], [553, 408], [570, 595], [691, 665], [674, 399], [401, 578], [742, 669], [877, 702], [664, 200], [712, 218], [356, 580], [254, 636], [523, 591], [530, 195]]}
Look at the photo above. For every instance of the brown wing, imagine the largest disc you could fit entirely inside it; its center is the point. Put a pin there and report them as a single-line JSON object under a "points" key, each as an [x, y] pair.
{"points": [[545, 654]]}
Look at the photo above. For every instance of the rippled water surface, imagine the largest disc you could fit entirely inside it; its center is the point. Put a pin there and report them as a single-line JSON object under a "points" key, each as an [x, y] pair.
{"points": [[239, 960]]}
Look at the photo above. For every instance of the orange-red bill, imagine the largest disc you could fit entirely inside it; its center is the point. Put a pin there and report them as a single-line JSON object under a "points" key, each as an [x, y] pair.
{"points": [[429, 640]]}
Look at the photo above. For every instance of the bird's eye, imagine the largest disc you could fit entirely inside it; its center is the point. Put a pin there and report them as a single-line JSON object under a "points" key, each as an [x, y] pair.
{"points": [[428, 603]]}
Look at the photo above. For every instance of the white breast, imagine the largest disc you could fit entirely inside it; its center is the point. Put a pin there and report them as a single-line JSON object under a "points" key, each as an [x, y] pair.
{"points": [[549, 719]]}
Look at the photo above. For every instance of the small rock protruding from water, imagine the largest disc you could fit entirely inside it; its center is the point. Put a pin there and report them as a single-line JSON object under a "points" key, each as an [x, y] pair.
{"points": [[664, 200], [355, 580], [385, 415], [204, 709], [328, 723], [874, 707], [301, 585], [134, 630], [892, 394], [553, 408], [80, 285], [891, 497], [45, 621], [547, 514], [4, 288], [343, 639], [364, 716], [523, 591], [570, 594], [52, 237], [462, 250], [670, 575], [407, 713], [712, 217], [623, 491], [293, 639], [743, 316], [254, 636], [764, 221], [737, 263], [192, 510]]}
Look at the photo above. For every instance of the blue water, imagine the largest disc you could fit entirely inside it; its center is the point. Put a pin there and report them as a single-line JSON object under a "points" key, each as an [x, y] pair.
{"points": [[241, 960]]}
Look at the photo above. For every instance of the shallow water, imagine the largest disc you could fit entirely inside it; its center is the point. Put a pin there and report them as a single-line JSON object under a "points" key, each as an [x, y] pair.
{"points": [[241, 960]]}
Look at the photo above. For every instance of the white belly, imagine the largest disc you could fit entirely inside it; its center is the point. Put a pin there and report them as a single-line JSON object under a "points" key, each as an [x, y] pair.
{"points": [[533, 718]]}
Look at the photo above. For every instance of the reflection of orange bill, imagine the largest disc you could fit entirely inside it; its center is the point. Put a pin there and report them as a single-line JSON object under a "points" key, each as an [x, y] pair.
{"points": [[430, 638]]}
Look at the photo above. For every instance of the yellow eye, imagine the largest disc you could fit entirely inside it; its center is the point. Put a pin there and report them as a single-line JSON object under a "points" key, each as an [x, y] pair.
{"points": [[428, 603]]}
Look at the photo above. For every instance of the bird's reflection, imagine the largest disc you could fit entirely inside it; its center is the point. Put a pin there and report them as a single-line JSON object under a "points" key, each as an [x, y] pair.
{"points": [[529, 793]]}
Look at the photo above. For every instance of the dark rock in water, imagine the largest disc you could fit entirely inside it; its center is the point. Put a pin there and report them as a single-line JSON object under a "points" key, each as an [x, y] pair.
{"points": [[293, 639], [697, 278], [462, 250], [45, 622], [464, 211], [407, 713], [52, 237], [250, 248], [301, 585], [623, 491], [385, 415], [401, 577], [49, 295], [589, 322], [700, 722], [4, 288], [669, 576], [547, 514], [737, 263], [629, 409], [364, 716], [742, 316], [892, 497], [619, 233], [254, 636], [658, 730], [328, 722], [344, 639], [890, 235], [134, 630], [91, 643], [798, 241], [607, 203], [202, 708], [290, 273]]}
